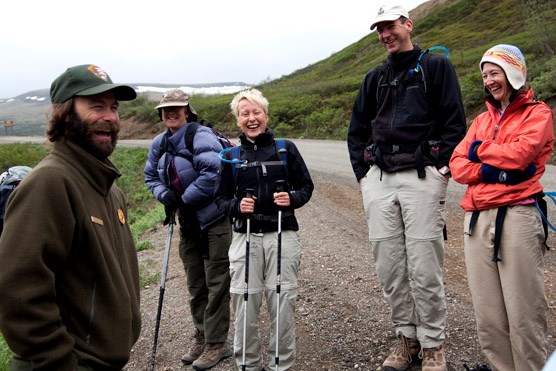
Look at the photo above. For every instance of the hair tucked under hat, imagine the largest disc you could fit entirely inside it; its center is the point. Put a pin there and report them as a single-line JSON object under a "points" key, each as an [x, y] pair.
{"points": [[511, 60], [177, 98]]}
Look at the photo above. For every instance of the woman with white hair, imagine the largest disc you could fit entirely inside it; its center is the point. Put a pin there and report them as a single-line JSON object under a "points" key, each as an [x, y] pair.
{"points": [[262, 188], [502, 159]]}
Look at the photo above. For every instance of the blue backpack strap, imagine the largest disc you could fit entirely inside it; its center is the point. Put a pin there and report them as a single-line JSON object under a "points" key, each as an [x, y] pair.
{"points": [[282, 151], [235, 156]]}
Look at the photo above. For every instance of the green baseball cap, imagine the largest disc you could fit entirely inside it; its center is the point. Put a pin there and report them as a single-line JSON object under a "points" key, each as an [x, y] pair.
{"points": [[87, 79]]}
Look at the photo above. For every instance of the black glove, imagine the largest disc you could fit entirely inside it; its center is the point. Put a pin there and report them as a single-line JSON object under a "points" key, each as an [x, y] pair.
{"points": [[491, 174], [471, 154], [170, 215], [169, 199]]}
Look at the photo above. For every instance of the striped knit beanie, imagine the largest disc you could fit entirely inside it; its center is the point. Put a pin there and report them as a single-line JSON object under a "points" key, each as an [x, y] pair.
{"points": [[511, 60]]}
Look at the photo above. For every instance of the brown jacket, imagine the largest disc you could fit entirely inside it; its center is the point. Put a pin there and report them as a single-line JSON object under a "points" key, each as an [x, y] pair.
{"points": [[69, 274]]}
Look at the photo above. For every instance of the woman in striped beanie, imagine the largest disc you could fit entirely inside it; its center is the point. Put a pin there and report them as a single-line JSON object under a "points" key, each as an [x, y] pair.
{"points": [[502, 159]]}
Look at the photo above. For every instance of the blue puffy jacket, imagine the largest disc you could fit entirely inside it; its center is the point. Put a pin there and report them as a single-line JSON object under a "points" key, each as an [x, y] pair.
{"points": [[196, 171]]}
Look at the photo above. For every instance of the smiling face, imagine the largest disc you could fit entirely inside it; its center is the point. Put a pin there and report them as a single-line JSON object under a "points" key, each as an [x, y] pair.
{"points": [[394, 35], [252, 119], [495, 81], [174, 117], [96, 123]]}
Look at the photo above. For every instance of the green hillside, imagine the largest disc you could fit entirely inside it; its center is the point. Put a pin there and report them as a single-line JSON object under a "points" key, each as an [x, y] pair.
{"points": [[316, 101]]}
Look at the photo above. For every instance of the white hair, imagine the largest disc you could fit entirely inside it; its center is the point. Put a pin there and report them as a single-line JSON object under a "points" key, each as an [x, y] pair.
{"points": [[252, 95]]}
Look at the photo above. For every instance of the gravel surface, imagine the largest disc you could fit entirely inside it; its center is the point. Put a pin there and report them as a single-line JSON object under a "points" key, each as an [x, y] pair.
{"points": [[342, 319]]}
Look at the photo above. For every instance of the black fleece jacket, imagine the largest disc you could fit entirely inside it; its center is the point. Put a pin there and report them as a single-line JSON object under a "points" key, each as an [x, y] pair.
{"points": [[388, 113]]}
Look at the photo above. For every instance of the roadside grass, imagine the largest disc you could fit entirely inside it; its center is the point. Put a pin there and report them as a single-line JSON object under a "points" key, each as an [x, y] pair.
{"points": [[5, 355], [144, 212]]}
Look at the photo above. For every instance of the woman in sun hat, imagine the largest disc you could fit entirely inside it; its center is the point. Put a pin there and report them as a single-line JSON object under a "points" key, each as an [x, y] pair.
{"points": [[182, 178], [502, 159]]}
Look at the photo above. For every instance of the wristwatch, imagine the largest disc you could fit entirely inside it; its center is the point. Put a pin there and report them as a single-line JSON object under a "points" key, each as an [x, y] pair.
{"points": [[444, 170]]}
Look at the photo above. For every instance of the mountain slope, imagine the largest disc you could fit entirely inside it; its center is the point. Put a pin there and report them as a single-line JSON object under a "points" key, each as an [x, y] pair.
{"points": [[316, 101]]}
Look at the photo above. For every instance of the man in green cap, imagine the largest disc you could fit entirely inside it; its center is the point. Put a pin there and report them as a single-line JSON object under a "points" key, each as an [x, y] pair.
{"points": [[70, 279]]}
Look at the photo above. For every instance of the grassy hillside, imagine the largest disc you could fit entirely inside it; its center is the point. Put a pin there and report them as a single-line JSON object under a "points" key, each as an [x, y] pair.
{"points": [[316, 101]]}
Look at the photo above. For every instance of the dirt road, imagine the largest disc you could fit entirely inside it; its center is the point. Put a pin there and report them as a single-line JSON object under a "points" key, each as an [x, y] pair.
{"points": [[342, 319]]}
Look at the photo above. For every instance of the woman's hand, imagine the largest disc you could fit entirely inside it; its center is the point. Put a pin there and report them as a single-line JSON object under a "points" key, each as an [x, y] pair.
{"points": [[247, 205], [282, 199]]}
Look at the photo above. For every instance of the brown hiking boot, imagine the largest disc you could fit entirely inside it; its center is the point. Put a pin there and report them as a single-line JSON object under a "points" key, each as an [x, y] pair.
{"points": [[402, 356], [434, 359], [195, 348], [213, 353]]}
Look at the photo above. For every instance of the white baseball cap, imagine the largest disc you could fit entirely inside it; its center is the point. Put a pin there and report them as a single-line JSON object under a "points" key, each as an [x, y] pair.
{"points": [[389, 13]]}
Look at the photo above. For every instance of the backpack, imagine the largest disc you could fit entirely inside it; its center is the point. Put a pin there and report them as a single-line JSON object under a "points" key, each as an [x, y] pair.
{"points": [[236, 161], [9, 179], [419, 69], [429, 148], [189, 136]]}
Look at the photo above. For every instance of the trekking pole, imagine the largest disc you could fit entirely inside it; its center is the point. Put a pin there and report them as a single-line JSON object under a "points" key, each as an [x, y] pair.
{"points": [[279, 188], [248, 194], [162, 286]]}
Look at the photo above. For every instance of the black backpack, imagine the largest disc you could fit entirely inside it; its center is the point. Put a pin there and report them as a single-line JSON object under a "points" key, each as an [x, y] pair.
{"points": [[189, 136]]}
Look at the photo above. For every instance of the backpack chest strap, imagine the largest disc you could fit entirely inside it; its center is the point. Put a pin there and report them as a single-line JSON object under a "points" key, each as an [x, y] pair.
{"points": [[262, 164]]}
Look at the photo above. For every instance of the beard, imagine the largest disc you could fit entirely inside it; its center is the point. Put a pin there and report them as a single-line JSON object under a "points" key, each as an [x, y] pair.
{"points": [[98, 138]]}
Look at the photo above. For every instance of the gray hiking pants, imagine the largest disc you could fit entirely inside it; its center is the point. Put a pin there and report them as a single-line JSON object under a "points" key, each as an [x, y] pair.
{"points": [[262, 284]]}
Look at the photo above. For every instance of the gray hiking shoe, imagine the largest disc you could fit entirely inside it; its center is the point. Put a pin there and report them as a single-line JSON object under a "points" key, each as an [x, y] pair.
{"points": [[195, 348], [402, 356], [212, 355]]}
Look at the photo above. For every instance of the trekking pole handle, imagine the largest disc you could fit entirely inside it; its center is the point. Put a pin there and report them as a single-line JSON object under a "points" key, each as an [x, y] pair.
{"points": [[280, 186], [249, 194]]}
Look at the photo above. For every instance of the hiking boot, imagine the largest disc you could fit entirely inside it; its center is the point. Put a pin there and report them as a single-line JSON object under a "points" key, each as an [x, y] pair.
{"points": [[195, 348], [401, 358], [213, 353], [434, 359]]}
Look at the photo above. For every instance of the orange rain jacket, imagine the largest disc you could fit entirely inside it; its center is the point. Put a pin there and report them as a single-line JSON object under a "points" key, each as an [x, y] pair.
{"points": [[523, 135]]}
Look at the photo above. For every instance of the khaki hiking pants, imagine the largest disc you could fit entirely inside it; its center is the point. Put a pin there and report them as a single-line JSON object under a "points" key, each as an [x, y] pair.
{"points": [[262, 284], [509, 296], [406, 217]]}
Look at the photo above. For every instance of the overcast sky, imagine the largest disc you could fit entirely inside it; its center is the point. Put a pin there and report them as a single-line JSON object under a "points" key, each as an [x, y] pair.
{"points": [[175, 41]]}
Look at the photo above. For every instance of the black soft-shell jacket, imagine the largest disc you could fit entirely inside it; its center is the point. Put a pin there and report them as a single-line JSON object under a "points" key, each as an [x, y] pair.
{"points": [[262, 177], [397, 107]]}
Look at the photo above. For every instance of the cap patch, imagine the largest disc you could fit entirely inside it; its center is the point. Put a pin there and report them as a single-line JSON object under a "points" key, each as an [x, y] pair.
{"points": [[98, 72]]}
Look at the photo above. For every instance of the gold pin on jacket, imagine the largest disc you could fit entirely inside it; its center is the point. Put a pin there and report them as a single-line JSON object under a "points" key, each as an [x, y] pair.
{"points": [[121, 216]]}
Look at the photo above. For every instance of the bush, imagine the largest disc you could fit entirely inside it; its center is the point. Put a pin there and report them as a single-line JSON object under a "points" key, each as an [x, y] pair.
{"points": [[544, 85]]}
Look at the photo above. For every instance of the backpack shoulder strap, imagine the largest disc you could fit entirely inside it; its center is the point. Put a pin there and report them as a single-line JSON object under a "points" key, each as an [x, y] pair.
{"points": [[235, 156], [282, 151], [162, 147], [189, 135]]}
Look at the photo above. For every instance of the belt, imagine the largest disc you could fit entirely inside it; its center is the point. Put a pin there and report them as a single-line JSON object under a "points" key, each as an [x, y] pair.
{"points": [[270, 218]]}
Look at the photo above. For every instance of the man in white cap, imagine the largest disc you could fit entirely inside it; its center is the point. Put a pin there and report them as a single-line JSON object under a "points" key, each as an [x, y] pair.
{"points": [[406, 121]]}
